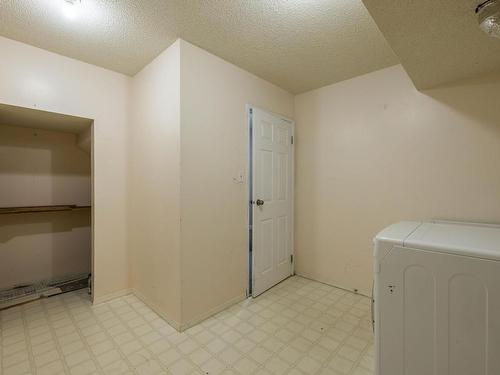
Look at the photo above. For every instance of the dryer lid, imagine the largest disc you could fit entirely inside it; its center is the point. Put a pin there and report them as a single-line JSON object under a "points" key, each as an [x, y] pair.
{"points": [[467, 239]]}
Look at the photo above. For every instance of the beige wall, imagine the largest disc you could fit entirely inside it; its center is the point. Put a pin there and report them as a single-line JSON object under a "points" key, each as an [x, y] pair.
{"points": [[34, 78], [137, 178], [187, 217], [154, 180], [214, 147], [41, 167], [372, 150]]}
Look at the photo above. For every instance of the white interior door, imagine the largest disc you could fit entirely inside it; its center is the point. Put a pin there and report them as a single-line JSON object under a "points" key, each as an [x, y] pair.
{"points": [[272, 199]]}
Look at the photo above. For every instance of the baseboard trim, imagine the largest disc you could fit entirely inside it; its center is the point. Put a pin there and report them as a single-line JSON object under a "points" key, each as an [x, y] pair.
{"points": [[111, 296], [360, 292], [200, 318], [174, 324], [157, 310]]}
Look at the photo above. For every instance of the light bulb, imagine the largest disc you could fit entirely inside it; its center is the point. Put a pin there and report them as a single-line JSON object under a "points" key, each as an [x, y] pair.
{"points": [[488, 14], [70, 8]]}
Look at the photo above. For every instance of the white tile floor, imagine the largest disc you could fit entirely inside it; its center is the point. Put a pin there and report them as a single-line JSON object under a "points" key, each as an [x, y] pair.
{"points": [[298, 327]]}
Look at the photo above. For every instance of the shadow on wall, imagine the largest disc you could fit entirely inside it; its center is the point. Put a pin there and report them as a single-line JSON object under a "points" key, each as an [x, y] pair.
{"points": [[21, 225], [41, 246], [41, 167], [476, 98], [308, 172]]}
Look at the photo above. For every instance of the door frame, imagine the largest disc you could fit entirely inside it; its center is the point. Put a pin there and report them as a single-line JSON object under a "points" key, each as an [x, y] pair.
{"points": [[92, 210], [249, 113]]}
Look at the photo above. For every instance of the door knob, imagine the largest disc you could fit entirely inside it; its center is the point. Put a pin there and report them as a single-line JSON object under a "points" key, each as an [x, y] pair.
{"points": [[259, 202]]}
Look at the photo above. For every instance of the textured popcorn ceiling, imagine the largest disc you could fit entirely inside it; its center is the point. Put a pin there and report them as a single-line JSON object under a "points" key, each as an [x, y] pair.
{"points": [[437, 41], [296, 44]]}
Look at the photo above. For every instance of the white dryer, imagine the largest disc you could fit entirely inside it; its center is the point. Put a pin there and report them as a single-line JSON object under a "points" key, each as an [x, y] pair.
{"points": [[437, 299]]}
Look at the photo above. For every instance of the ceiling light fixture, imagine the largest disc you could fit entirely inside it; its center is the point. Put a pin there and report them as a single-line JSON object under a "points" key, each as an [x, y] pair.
{"points": [[488, 16], [70, 8]]}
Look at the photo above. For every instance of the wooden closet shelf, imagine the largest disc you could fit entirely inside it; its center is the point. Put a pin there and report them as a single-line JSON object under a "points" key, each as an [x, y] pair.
{"points": [[32, 209]]}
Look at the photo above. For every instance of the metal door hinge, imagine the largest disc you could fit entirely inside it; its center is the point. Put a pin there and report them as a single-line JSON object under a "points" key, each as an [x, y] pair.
{"points": [[292, 139], [291, 258]]}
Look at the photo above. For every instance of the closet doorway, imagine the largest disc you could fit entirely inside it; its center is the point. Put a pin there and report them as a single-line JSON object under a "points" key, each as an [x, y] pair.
{"points": [[46, 212]]}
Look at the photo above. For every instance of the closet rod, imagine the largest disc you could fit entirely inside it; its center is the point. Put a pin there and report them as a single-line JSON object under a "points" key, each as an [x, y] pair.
{"points": [[33, 209]]}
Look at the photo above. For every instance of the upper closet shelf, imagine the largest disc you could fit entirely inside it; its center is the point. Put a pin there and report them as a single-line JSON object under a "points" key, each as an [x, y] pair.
{"points": [[32, 209]]}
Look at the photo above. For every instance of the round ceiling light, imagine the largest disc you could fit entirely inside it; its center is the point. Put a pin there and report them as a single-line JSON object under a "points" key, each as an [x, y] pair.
{"points": [[488, 15], [70, 8]]}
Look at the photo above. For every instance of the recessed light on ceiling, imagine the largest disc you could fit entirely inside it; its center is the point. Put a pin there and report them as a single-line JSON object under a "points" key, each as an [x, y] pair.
{"points": [[70, 8], [488, 16]]}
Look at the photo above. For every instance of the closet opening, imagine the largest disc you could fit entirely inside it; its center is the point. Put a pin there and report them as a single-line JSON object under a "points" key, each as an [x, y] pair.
{"points": [[46, 204]]}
